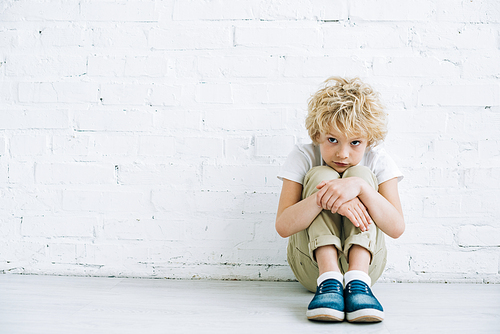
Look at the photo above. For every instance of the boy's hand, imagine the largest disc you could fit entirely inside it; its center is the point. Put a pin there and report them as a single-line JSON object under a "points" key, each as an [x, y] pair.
{"points": [[356, 212], [334, 193]]}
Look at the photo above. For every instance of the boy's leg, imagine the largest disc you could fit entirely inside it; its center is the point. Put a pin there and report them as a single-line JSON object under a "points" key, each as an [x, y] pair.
{"points": [[371, 243], [366, 254], [324, 230], [323, 243]]}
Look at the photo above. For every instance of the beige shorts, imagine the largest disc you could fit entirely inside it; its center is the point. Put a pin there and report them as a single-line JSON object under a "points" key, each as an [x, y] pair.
{"points": [[333, 229]]}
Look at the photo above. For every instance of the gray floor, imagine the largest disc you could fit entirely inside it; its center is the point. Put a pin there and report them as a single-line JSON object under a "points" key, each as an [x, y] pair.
{"points": [[48, 304]]}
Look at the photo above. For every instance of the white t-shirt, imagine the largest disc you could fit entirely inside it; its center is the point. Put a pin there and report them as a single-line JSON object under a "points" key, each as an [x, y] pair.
{"points": [[304, 157]]}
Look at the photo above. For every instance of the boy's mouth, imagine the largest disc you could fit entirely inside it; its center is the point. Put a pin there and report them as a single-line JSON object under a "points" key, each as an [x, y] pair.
{"points": [[341, 164]]}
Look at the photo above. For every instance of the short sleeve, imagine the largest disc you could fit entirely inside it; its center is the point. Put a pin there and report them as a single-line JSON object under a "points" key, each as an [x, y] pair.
{"points": [[383, 166], [296, 166]]}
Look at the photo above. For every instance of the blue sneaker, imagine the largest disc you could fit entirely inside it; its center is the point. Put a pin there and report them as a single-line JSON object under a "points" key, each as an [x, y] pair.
{"points": [[360, 303], [328, 302]]}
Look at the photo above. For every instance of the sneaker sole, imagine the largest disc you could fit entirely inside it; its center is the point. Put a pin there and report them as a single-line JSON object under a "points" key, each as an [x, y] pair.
{"points": [[365, 315], [325, 314]]}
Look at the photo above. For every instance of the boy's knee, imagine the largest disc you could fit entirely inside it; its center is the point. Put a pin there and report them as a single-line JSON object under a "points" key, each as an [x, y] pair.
{"points": [[364, 173], [320, 173]]}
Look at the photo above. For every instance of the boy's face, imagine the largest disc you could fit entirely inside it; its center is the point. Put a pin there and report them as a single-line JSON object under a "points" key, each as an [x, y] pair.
{"points": [[341, 152]]}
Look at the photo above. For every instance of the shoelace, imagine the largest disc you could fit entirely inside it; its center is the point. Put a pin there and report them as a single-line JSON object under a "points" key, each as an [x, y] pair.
{"points": [[330, 285], [358, 286]]}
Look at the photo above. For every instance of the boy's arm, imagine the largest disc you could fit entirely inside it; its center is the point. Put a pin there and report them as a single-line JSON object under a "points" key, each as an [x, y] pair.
{"points": [[294, 214], [384, 207]]}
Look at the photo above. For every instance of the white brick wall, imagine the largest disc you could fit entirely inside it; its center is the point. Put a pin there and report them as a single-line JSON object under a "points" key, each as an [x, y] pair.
{"points": [[143, 138]]}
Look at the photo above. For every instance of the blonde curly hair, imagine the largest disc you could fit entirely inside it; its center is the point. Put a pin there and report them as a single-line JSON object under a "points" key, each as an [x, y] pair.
{"points": [[348, 106]]}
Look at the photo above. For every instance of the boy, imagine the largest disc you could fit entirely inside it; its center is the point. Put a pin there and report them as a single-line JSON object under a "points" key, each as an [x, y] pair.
{"points": [[339, 194]]}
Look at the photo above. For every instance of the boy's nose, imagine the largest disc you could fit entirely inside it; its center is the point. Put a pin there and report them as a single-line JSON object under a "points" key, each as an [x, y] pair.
{"points": [[343, 153]]}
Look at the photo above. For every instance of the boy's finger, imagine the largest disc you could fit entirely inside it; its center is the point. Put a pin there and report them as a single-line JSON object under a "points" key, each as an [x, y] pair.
{"points": [[321, 185]]}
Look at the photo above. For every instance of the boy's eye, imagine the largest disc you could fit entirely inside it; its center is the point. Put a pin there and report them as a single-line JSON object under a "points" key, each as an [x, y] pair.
{"points": [[332, 140], [356, 143]]}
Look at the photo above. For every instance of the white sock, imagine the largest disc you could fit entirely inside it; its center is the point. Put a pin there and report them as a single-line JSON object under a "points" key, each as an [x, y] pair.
{"points": [[357, 275], [329, 275]]}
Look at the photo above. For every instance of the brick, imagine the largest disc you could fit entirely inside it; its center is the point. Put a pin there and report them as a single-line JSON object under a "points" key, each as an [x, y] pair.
{"points": [[46, 67], [165, 95], [448, 261], [2, 146], [238, 66], [175, 203], [103, 120], [455, 36], [31, 201], [64, 35], [4, 173], [489, 153], [303, 37], [28, 145], [121, 11], [53, 10], [104, 201], [192, 37], [121, 36], [7, 92], [34, 119], [124, 229], [289, 93], [9, 228], [57, 227], [218, 202], [482, 66], [398, 258], [426, 234], [8, 37], [481, 123], [460, 95], [443, 205], [184, 176], [243, 119], [363, 36], [200, 147], [392, 10], [214, 93], [324, 10], [446, 177], [63, 92], [273, 146], [148, 66], [172, 118], [265, 231], [478, 236], [482, 178], [127, 94], [74, 173], [259, 202], [157, 146], [108, 66], [231, 231], [231, 177], [113, 145], [74, 145], [195, 10], [322, 67], [164, 228], [21, 172], [415, 67], [237, 148], [468, 11], [62, 253], [248, 94]]}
